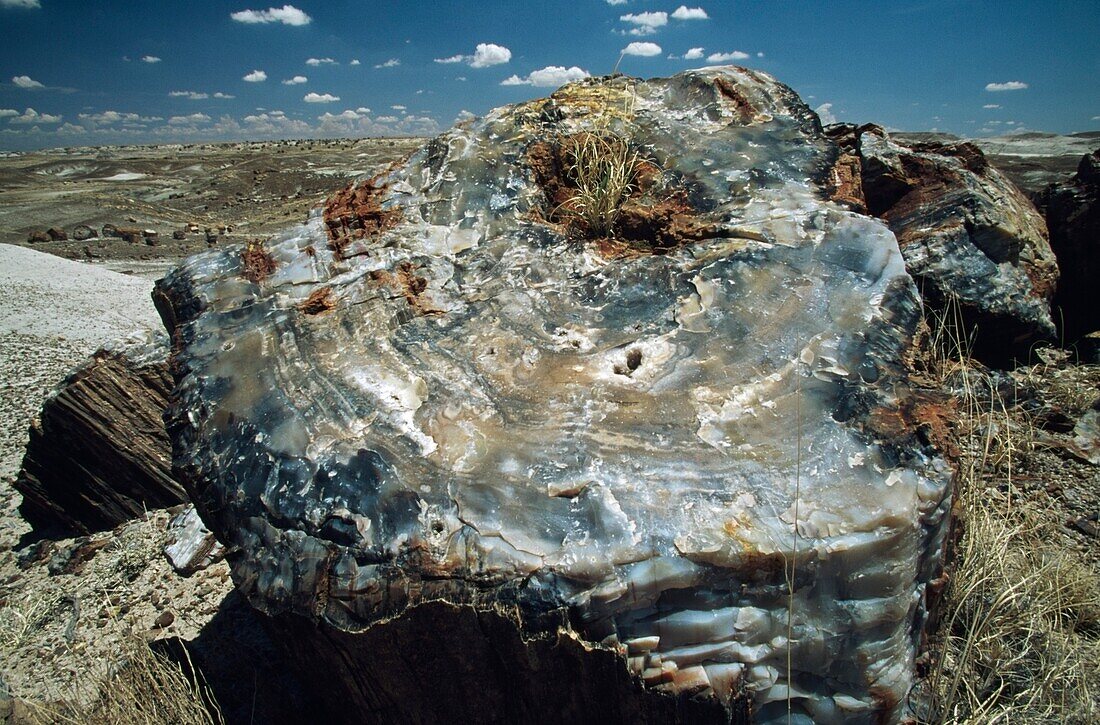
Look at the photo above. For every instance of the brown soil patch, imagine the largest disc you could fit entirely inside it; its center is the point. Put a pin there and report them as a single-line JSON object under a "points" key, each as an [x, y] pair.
{"points": [[355, 212], [406, 282], [320, 300], [729, 91], [654, 218], [256, 263]]}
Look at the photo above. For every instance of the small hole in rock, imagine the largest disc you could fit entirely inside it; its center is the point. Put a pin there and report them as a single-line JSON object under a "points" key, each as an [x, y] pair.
{"points": [[437, 527], [633, 359]]}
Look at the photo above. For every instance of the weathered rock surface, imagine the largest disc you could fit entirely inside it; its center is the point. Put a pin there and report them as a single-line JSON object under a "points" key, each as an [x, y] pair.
{"points": [[98, 454], [1073, 217], [965, 231], [191, 546], [671, 472]]}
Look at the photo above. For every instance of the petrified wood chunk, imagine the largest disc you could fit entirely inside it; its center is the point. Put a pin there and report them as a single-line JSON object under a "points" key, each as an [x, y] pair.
{"points": [[479, 465], [965, 231], [98, 454]]}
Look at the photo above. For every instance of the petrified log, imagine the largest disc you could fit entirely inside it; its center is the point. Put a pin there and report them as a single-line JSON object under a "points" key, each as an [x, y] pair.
{"points": [[966, 232], [1073, 217], [481, 463], [98, 454]]}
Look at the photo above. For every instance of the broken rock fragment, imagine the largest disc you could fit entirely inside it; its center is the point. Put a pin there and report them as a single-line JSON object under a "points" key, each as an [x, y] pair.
{"points": [[673, 470]]}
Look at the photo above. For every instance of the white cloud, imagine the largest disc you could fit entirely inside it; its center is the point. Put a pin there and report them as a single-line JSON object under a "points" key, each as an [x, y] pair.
{"points": [[8, 112], [287, 15], [1096, 118], [362, 109], [488, 54], [616, 2], [760, 54], [256, 76], [193, 95], [26, 82], [29, 4], [187, 120], [320, 98], [551, 76], [354, 61], [32, 116], [150, 59], [725, 57], [387, 119], [642, 49], [71, 128], [992, 105], [646, 20], [460, 78], [825, 113], [225, 96], [451, 59], [106, 118], [320, 61], [348, 115], [295, 81], [391, 63], [1009, 86], [399, 108], [693, 54], [685, 13]]}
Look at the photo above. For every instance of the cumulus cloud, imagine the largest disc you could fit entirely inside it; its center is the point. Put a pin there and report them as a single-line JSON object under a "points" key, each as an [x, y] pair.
{"points": [[642, 49], [189, 119], [488, 54], [551, 76], [8, 112], [295, 81], [354, 61], [362, 109], [150, 59], [224, 96], [726, 57], [32, 116], [1009, 86], [825, 113], [29, 4], [992, 105], [320, 98], [685, 13], [693, 54], [616, 2], [256, 76], [287, 15], [320, 61], [26, 82], [651, 20], [348, 115], [484, 56], [193, 95], [399, 108], [391, 63], [107, 118]]}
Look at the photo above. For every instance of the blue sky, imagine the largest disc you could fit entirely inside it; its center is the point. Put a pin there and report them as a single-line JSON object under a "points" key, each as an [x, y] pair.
{"points": [[74, 72]]}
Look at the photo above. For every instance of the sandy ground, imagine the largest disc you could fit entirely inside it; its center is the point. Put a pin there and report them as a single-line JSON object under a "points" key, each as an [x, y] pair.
{"points": [[58, 616]]}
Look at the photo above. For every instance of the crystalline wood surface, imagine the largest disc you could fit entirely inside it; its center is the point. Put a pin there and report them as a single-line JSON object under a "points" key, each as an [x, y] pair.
{"points": [[460, 401]]}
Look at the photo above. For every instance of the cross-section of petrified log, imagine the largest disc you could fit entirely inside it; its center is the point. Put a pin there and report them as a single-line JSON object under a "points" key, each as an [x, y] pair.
{"points": [[483, 463]]}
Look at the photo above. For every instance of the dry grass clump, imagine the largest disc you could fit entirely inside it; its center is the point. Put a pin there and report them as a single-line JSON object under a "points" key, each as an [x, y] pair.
{"points": [[1019, 634], [603, 169], [140, 687]]}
